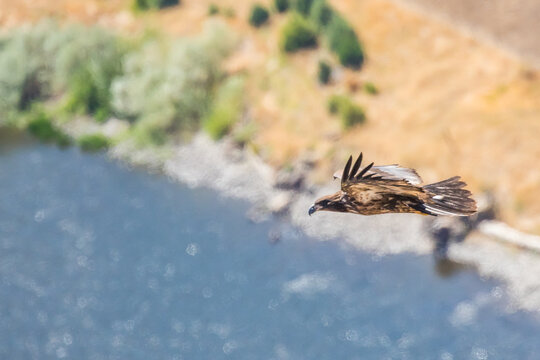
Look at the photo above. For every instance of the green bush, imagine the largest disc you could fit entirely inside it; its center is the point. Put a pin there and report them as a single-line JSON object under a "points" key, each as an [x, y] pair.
{"points": [[298, 33], [370, 88], [321, 13], [259, 15], [87, 95], [335, 103], [142, 5], [324, 72], [281, 5], [47, 59], [86, 67], [41, 126], [243, 135], [26, 67], [227, 108], [350, 113], [151, 130], [213, 9], [303, 6], [168, 87], [93, 142], [344, 42]]}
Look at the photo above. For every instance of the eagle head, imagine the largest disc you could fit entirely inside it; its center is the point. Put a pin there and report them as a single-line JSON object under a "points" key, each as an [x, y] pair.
{"points": [[328, 203]]}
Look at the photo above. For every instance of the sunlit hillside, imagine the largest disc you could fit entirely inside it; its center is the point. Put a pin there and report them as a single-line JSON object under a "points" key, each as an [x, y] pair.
{"points": [[447, 104]]}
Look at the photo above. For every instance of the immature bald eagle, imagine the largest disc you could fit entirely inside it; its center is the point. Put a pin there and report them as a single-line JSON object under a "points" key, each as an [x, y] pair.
{"points": [[394, 189]]}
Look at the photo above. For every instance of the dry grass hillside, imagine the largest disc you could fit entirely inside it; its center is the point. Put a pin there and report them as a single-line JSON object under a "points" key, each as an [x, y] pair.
{"points": [[448, 104]]}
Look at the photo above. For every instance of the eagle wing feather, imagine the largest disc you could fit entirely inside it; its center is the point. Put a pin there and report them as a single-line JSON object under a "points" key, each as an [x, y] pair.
{"points": [[379, 185]]}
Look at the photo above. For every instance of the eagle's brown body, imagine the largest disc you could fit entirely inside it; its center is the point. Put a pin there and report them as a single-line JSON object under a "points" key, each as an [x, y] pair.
{"points": [[393, 189]]}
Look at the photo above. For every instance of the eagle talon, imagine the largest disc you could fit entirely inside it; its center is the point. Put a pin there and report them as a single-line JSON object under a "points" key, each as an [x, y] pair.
{"points": [[311, 210]]}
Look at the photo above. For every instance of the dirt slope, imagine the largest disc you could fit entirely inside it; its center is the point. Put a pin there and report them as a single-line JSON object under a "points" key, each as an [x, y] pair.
{"points": [[510, 24]]}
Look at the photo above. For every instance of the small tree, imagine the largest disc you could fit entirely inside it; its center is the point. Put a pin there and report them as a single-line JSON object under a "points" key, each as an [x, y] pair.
{"points": [[213, 9], [344, 42], [259, 15], [303, 6], [93, 142], [324, 72], [335, 103], [350, 113], [281, 5], [370, 88], [153, 4], [298, 34], [321, 13]]}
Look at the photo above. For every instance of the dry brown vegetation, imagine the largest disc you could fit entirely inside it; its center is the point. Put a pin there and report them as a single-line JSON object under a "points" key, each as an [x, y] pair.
{"points": [[448, 104]]}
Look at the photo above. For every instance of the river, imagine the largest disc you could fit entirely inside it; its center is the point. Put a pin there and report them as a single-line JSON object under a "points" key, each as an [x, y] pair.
{"points": [[99, 261]]}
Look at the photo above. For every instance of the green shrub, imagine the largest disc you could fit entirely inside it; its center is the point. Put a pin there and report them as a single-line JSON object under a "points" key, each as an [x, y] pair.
{"points": [[324, 72], [344, 42], [303, 6], [142, 5], [259, 15], [321, 13], [93, 142], [243, 135], [335, 103], [87, 95], [41, 126], [227, 108], [166, 3], [26, 67], [370, 88], [167, 87], [213, 9], [86, 67], [47, 59], [298, 33], [151, 130], [350, 113], [281, 5]]}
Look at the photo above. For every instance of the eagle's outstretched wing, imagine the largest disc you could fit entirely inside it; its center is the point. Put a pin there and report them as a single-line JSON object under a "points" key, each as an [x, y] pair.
{"points": [[389, 175], [380, 191], [390, 172], [395, 189]]}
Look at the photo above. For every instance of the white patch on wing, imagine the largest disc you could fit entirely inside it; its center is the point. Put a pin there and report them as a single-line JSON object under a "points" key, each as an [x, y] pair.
{"points": [[438, 197], [396, 172], [391, 172]]}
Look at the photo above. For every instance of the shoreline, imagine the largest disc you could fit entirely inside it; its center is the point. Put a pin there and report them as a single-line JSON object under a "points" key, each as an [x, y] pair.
{"points": [[238, 173]]}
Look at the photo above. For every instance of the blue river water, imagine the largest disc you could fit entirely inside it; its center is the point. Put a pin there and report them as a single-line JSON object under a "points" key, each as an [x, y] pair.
{"points": [[98, 261]]}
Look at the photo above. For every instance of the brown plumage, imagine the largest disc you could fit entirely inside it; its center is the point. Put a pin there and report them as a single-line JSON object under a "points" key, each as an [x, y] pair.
{"points": [[393, 189]]}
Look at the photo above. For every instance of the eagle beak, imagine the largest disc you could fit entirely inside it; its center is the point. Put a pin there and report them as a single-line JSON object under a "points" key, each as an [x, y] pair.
{"points": [[312, 209]]}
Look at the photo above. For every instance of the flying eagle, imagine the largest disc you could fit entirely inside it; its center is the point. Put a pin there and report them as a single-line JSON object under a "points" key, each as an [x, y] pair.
{"points": [[394, 189]]}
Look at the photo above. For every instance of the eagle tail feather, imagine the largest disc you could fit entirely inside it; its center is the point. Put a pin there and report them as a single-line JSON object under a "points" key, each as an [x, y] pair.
{"points": [[448, 197]]}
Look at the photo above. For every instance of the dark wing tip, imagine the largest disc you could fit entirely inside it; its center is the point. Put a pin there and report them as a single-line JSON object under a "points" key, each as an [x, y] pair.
{"points": [[365, 170], [355, 167], [345, 175]]}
